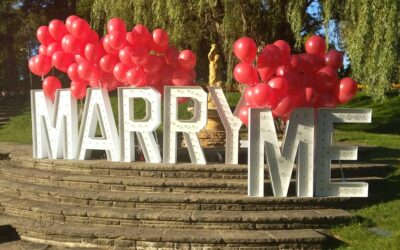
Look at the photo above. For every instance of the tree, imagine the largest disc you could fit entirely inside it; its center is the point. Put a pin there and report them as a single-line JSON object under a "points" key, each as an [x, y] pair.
{"points": [[198, 24], [8, 57], [371, 38], [19, 20], [367, 30]]}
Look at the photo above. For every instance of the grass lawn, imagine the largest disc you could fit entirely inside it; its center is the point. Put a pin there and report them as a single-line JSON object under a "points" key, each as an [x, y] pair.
{"points": [[383, 133], [19, 129]]}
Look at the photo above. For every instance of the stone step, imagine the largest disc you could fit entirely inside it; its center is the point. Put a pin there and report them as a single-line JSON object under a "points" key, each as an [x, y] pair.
{"points": [[173, 218], [137, 184], [139, 169], [80, 235], [14, 104], [179, 201], [4, 112], [9, 148], [4, 119], [181, 170], [130, 183], [12, 110]]}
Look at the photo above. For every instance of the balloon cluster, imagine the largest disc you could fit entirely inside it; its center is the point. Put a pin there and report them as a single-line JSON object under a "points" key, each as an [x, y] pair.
{"points": [[283, 81], [136, 58]]}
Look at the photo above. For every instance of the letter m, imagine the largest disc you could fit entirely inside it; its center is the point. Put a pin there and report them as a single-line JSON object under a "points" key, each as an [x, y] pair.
{"points": [[54, 126], [298, 140]]}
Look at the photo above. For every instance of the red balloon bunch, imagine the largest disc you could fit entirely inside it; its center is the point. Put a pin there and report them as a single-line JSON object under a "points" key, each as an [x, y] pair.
{"points": [[136, 58], [283, 81]]}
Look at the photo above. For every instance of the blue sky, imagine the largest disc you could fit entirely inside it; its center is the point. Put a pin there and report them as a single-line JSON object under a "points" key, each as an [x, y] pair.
{"points": [[315, 11]]}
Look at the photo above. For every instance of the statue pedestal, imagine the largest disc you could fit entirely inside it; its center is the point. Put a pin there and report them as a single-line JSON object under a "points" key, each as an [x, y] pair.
{"points": [[213, 135]]}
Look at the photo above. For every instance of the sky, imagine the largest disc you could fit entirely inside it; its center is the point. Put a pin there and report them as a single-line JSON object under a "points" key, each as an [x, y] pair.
{"points": [[315, 11]]}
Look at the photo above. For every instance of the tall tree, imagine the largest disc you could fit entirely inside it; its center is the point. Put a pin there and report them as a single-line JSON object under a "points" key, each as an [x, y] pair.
{"points": [[8, 57], [371, 38], [19, 20], [367, 30], [198, 24]]}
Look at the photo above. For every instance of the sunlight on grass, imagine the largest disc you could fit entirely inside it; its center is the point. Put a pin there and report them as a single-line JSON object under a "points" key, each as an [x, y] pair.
{"points": [[365, 138], [383, 215], [384, 134], [19, 129]]}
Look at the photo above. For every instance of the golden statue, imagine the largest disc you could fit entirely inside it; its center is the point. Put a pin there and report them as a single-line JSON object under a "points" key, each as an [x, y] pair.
{"points": [[215, 76], [213, 135]]}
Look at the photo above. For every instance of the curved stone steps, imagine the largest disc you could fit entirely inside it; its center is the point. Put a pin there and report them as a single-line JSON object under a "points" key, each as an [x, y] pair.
{"points": [[122, 183], [10, 108], [71, 235], [104, 204], [180, 201], [141, 184], [180, 170], [173, 218], [13, 106], [102, 167], [11, 111]]}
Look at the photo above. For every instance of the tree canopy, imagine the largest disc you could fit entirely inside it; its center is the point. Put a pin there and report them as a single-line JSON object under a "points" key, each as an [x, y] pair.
{"points": [[19, 20], [371, 37], [198, 24], [367, 31]]}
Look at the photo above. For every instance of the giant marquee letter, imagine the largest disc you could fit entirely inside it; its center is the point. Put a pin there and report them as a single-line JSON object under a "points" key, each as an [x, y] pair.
{"points": [[325, 152], [189, 128], [98, 110], [54, 126], [231, 124], [143, 128], [299, 135]]}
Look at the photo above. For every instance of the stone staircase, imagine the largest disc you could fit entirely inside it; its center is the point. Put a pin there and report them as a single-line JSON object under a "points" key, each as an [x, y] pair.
{"points": [[11, 107], [100, 204]]}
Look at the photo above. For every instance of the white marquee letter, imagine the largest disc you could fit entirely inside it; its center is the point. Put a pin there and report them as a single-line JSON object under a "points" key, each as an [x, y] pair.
{"points": [[299, 135], [143, 128], [189, 128], [98, 109], [231, 124], [325, 152], [54, 126]]}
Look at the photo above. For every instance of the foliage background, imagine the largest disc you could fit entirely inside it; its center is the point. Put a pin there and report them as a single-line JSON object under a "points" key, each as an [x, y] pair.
{"points": [[367, 31]]}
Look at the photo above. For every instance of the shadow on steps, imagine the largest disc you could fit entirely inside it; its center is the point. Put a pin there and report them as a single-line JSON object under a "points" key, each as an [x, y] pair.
{"points": [[8, 234]]}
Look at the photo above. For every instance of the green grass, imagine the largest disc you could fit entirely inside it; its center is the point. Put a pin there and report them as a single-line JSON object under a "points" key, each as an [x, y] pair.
{"points": [[385, 115], [19, 129], [384, 134]]}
